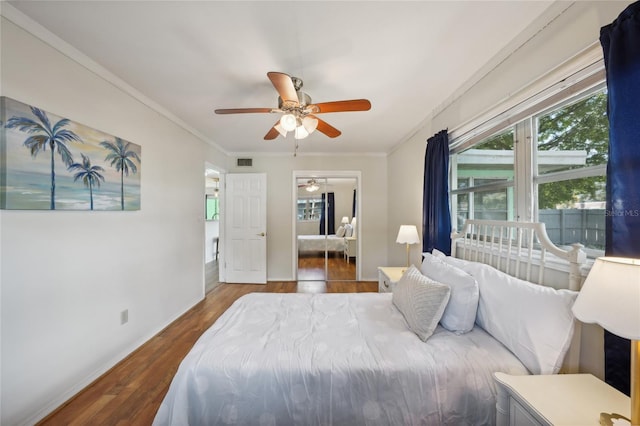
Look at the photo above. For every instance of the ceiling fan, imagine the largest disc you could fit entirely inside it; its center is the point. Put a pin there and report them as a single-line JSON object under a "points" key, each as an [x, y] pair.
{"points": [[310, 186], [298, 113]]}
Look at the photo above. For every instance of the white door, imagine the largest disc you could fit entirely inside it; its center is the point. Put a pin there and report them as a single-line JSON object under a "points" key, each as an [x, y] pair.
{"points": [[246, 228]]}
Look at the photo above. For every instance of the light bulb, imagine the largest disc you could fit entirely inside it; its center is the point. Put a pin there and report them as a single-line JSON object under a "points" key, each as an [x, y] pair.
{"points": [[288, 122]]}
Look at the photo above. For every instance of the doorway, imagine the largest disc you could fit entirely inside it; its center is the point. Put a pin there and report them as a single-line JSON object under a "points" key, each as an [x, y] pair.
{"points": [[326, 227], [212, 214]]}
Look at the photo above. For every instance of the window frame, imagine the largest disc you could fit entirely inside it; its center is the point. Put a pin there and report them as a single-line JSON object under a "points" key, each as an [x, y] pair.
{"points": [[524, 120]]}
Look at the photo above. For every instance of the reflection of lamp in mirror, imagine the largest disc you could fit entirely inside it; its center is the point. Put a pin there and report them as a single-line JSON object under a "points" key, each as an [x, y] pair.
{"points": [[408, 234], [345, 220], [610, 297]]}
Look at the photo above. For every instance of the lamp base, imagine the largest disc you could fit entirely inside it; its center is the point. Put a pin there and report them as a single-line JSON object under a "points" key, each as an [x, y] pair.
{"points": [[408, 258], [613, 419]]}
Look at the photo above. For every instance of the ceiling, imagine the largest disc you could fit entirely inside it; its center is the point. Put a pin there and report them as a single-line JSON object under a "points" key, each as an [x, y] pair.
{"points": [[191, 57]]}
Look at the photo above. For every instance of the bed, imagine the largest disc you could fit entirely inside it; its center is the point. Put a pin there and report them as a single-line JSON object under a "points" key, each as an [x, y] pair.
{"points": [[350, 359], [319, 243]]}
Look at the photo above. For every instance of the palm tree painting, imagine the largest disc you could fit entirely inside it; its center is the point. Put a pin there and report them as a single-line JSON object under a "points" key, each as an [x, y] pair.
{"points": [[89, 174], [105, 165], [42, 135], [122, 157]]}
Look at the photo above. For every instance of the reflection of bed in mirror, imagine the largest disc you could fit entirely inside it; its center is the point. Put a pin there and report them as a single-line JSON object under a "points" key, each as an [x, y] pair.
{"points": [[318, 243]]}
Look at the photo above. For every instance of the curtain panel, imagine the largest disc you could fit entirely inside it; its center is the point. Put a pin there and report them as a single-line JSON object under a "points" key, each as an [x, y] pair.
{"points": [[620, 42], [436, 215], [330, 217]]}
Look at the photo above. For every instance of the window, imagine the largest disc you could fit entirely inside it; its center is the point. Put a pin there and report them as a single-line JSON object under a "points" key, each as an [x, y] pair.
{"points": [[548, 165], [484, 177], [309, 208], [571, 150]]}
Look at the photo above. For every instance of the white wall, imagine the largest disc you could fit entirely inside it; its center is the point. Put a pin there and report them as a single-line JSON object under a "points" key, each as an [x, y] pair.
{"points": [[569, 29], [66, 276]]}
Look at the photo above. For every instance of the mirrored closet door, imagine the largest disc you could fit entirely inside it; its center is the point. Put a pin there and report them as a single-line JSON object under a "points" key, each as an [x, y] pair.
{"points": [[326, 223]]}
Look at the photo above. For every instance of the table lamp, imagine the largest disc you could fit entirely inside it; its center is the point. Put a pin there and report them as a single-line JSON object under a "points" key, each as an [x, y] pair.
{"points": [[610, 297], [408, 234]]}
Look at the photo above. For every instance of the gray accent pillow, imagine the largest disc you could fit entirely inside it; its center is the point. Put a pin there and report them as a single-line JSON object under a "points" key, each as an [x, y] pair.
{"points": [[421, 301]]}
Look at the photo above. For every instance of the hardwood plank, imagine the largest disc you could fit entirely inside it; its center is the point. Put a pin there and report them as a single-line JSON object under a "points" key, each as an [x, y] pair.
{"points": [[131, 392]]}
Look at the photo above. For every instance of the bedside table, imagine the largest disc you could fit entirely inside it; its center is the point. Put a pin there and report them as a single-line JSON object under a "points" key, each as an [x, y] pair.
{"points": [[350, 248], [388, 276], [559, 399]]}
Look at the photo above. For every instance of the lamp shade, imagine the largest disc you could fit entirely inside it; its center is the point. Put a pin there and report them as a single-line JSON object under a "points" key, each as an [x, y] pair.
{"points": [[408, 234], [610, 296], [345, 219]]}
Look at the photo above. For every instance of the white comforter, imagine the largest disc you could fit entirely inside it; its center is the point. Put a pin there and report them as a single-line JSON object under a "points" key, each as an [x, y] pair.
{"points": [[313, 243], [343, 359]]}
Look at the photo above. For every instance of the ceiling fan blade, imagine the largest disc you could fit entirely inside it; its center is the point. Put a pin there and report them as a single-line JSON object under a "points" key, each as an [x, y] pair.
{"points": [[242, 110], [271, 134], [327, 129], [284, 85], [340, 106]]}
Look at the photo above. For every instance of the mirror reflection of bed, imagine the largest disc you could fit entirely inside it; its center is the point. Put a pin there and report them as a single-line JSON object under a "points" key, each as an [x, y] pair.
{"points": [[326, 229]]}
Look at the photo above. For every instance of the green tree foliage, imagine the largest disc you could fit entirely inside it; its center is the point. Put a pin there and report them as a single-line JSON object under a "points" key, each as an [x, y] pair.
{"points": [[580, 126], [502, 141]]}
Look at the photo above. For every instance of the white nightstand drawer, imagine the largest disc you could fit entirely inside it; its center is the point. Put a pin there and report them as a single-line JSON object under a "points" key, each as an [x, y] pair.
{"points": [[519, 416], [387, 277]]}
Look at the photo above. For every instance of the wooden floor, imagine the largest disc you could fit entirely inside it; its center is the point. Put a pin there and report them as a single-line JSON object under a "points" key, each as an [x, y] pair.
{"points": [[312, 267], [131, 392]]}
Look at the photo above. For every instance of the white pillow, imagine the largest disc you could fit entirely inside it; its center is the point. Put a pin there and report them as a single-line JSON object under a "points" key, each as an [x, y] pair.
{"points": [[340, 232], [348, 230], [421, 301], [535, 322], [460, 314], [437, 253]]}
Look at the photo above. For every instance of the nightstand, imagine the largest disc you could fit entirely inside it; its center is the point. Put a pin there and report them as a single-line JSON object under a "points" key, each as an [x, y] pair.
{"points": [[559, 399], [350, 248], [388, 276]]}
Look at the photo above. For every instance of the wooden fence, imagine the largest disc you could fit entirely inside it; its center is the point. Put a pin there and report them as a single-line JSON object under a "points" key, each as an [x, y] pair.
{"points": [[585, 226]]}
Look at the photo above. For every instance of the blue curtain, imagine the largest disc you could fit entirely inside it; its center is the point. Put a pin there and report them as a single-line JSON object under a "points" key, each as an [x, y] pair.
{"points": [[353, 207], [331, 214], [620, 42], [436, 215]]}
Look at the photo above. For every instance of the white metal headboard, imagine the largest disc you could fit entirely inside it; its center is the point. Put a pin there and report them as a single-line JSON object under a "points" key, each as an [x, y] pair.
{"points": [[516, 248]]}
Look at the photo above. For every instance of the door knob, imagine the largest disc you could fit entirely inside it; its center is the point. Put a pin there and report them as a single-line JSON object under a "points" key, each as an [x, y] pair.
{"points": [[262, 234]]}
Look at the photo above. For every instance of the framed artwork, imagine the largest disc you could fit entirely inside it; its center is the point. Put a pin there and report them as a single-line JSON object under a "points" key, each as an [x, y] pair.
{"points": [[48, 162]]}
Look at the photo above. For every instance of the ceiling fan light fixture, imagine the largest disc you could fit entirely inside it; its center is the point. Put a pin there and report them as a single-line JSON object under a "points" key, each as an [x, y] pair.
{"points": [[288, 122], [312, 186], [280, 130], [301, 132], [310, 124]]}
